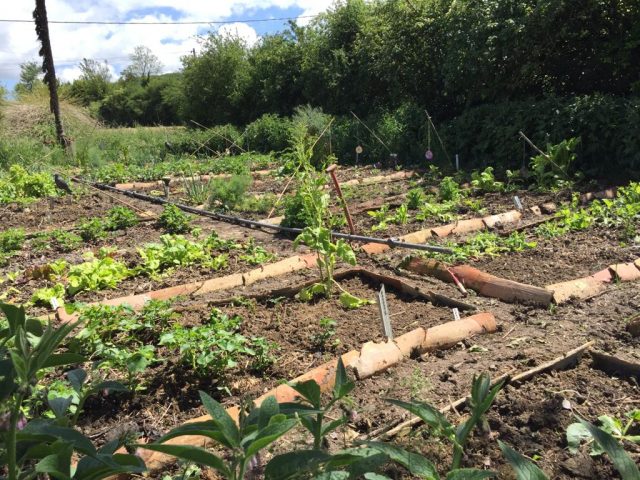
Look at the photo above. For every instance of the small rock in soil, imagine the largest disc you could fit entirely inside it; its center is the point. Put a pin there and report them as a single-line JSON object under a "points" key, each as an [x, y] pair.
{"points": [[581, 466]]}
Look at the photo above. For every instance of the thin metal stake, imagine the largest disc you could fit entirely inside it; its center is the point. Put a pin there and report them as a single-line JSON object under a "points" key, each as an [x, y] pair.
{"points": [[384, 313]]}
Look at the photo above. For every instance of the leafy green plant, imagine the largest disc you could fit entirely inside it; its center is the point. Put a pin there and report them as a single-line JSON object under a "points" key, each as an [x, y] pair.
{"points": [[380, 216], [39, 446], [96, 274], [551, 169], [22, 186], [11, 240], [485, 181], [401, 215], [475, 205], [228, 192], [449, 190], [43, 296], [93, 229], [174, 220], [212, 348], [115, 337], [121, 218], [66, 241], [485, 244], [255, 254], [442, 212], [415, 198], [351, 302], [324, 339], [257, 428], [172, 251], [264, 356], [481, 399], [312, 397], [619, 429]]}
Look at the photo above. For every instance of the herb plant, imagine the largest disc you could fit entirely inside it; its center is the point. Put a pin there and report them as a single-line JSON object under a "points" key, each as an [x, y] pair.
{"points": [[212, 348], [485, 181], [121, 218], [257, 428], [31, 447], [415, 198], [174, 220], [325, 338]]}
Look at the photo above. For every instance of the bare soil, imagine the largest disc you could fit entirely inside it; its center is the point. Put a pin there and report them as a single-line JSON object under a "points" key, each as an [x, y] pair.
{"points": [[530, 417]]}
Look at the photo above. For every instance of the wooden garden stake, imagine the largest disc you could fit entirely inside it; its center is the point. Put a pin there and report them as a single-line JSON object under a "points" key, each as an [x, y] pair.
{"points": [[165, 182], [331, 170]]}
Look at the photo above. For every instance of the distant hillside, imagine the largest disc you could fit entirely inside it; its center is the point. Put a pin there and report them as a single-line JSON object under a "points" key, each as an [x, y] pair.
{"points": [[30, 117]]}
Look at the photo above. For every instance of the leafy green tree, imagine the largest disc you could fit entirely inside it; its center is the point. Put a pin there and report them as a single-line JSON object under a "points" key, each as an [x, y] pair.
{"points": [[144, 63], [94, 82], [215, 82], [30, 73]]}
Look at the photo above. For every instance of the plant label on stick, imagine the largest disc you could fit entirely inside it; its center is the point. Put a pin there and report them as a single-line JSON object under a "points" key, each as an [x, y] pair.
{"points": [[456, 313], [384, 314], [517, 202]]}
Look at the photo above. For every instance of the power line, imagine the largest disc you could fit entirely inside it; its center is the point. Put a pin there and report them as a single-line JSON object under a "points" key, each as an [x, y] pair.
{"points": [[204, 22]]}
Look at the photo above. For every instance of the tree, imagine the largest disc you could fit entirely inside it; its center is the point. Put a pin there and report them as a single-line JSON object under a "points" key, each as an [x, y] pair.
{"points": [[143, 64], [29, 76], [215, 82], [42, 30], [93, 84]]}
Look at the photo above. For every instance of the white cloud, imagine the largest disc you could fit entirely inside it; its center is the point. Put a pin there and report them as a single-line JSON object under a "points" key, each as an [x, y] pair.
{"points": [[242, 30], [114, 43]]}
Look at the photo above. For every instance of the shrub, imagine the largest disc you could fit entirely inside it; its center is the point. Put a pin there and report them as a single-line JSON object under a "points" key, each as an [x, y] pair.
{"points": [[174, 220], [20, 185], [228, 192], [269, 133]]}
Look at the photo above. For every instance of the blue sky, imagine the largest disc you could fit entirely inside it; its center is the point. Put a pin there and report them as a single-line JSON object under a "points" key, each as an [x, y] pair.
{"points": [[114, 43]]}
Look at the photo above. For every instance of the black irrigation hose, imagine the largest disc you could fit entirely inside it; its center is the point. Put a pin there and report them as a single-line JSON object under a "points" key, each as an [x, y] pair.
{"points": [[243, 222]]}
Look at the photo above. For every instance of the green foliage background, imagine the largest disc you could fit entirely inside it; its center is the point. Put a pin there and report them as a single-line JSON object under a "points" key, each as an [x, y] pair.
{"points": [[484, 70]]}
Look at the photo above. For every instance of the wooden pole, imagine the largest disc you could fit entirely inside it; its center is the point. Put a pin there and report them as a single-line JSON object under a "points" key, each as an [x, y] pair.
{"points": [[331, 170]]}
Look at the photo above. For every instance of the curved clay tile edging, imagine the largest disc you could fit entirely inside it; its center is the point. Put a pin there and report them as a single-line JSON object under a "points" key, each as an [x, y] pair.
{"points": [[371, 359], [138, 301], [156, 183], [586, 287], [458, 227], [484, 283]]}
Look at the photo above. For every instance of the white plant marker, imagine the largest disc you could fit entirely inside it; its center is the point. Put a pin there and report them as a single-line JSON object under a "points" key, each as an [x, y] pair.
{"points": [[456, 313], [384, 314], [517, 202], [457, 162]]}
